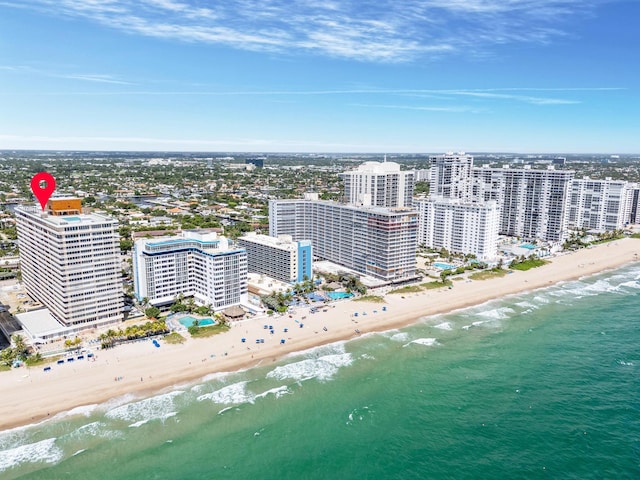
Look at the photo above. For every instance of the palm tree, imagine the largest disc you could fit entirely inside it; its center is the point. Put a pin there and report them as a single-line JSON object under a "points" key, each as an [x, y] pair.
{"points": [[351, 283], [37, 358], [7, 356], [20, 347], [191, 304], [110, 337], [152, 312]]}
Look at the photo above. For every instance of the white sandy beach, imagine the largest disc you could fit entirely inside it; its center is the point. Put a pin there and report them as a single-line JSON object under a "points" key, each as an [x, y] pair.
{"points": [[29, 395]]}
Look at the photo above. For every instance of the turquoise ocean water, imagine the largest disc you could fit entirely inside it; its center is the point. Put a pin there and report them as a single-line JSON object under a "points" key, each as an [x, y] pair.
{"points": [[540, 385]]}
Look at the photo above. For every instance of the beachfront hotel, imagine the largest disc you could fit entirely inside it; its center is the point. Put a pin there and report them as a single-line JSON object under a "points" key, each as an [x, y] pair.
{"points": [[278, 257], [375, 241], [467, 228], [200, 265], [71, 264], [376, 184]]}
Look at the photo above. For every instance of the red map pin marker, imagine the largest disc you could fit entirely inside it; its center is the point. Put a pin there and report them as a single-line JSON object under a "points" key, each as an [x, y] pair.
{"points": [[43, 193]]}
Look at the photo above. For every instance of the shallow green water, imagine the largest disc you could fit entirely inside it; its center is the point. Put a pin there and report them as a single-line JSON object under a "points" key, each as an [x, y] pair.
{"points": [[542, 385]]}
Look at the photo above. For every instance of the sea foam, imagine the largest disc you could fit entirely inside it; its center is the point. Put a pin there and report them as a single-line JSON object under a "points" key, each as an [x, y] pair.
{"points": [[477, 324], [237, 393], [400, 337], [162, 418], [83, 410], [427, 342], [43, 451], [444, 326], [497, 313], [320, 350], [159, 407], [95, 430], [277, 392], [322, 368]]}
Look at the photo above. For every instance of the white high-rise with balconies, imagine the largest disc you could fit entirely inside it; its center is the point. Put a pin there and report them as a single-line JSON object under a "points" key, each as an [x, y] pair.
{"points": [[533, 202], [71, 263], [600, 205], [375, 241], [200, 265], [376, 184], [467, 228], [450, 175]]}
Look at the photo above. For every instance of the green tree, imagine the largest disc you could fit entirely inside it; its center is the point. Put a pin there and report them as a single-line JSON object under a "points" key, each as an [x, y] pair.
{"points": [[20, 347], [421, 187], [152, 312], [126, 245], [7, 356], [193, 329]]}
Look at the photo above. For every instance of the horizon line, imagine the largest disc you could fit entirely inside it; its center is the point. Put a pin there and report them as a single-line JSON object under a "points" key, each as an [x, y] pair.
{"points": [[319, 152]]}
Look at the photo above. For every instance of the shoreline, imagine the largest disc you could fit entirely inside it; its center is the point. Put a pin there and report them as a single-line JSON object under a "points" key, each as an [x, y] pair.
{"points": [[31, 395]]}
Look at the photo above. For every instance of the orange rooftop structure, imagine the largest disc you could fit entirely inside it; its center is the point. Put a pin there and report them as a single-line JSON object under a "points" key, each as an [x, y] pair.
{"points": [[64, 206]]}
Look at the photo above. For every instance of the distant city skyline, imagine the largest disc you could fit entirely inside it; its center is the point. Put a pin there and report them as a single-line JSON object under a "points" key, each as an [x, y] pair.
{"points": [[543, 76]]}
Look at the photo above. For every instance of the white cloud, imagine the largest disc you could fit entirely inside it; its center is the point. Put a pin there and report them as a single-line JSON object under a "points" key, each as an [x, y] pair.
{"points": [[88, 77], [424, 108], [519, 98], [487, 95], [95, 78], [366, 30]]}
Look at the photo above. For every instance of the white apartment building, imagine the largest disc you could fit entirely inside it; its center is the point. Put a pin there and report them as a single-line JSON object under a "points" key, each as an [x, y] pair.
{"points": [[600, 205], [634, 203], [199, 265], [375, 241], [71, 263], [533, 202], [379, 185], [467, 228], [278, 257], [537, 204], [450, 175], [422, 175]]}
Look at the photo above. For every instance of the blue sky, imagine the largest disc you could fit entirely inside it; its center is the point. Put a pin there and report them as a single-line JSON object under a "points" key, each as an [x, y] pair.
{"points": [[321, 75]]}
